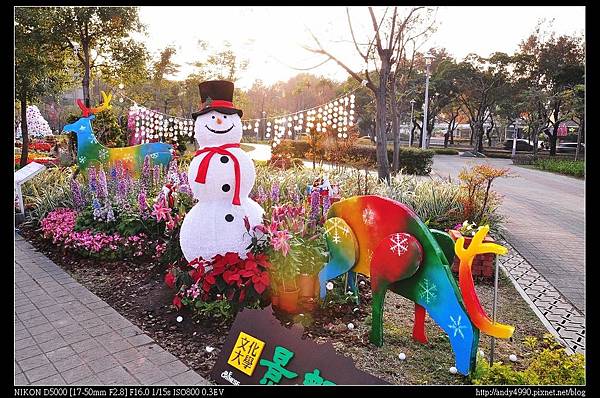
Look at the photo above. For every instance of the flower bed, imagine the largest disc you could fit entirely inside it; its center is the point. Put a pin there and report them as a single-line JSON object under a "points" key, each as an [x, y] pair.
{"points": [[59, 226]]}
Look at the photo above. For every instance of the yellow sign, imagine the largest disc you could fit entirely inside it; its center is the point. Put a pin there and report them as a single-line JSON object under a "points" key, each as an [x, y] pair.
{"points": [[245, 354]]}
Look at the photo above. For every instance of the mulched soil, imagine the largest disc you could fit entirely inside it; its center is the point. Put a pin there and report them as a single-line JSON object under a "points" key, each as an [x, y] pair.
{"points": [[138, 292]]}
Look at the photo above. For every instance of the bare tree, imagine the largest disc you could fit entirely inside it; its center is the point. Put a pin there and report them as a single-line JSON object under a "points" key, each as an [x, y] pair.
{"points": [[379, 54]]}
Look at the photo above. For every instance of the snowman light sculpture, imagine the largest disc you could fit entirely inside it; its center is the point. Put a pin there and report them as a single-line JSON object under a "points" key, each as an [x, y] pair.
{"points": [[221, 177]]}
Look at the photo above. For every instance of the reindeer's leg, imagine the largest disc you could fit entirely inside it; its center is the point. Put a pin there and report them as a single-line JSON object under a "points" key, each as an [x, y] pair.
{"points": [[436, 291], [352, 284], [419, 326], [376, 336], [396, 257], [342, 246]]}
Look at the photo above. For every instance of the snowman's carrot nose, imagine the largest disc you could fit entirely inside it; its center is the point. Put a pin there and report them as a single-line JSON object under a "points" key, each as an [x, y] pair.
{"points": [[219, 121]]}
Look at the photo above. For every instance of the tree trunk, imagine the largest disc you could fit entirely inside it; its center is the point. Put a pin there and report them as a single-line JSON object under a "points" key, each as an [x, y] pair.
{"points": [[472, 133], [24, 131], [383, 165], [396, 131], [86, 74], [552, 138], [579, 134]]}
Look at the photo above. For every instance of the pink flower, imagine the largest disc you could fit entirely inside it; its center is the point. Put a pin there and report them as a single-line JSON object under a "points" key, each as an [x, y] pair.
{"points": [[161, 212], [280, 242]]}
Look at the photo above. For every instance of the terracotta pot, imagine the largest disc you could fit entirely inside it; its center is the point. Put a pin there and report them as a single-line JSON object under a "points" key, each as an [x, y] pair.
{"points": [[288, 300], [275, 300], [306, 283]]}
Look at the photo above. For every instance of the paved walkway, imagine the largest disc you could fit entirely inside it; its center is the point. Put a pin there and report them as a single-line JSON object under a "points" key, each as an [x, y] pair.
{"points": [[545, 220], [559, 316], [64, 334]]}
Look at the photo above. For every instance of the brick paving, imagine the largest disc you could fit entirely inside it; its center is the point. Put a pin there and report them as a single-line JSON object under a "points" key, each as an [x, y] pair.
{"points": [[559, 316], [66, 335]]}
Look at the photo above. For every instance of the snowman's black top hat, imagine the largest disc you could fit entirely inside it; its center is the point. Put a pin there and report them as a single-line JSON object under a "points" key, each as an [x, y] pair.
{"points": [[216, 95]]}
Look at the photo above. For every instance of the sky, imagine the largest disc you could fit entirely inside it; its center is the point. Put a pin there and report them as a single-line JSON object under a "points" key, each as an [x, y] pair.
{"points": [[272, 38]]}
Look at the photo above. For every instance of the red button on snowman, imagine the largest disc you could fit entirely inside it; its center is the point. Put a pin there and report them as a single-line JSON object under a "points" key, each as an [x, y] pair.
{"points": [[221, 177]]}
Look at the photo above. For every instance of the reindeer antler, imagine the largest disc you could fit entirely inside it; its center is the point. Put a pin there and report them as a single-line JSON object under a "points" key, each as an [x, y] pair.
{"points": [[477, 246], [84, 109], [105, 103]]}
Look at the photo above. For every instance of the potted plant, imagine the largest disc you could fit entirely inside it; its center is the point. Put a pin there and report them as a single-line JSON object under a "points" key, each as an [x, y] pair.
{"points": [[308, 254], [483, 264], [284, 272]]}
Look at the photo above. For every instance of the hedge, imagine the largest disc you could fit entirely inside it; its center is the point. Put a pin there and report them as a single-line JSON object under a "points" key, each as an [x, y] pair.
{"points": [[412, 160], [445, 151]]}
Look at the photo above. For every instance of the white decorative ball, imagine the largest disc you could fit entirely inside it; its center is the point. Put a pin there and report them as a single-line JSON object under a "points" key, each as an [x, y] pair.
{"points": [[350, 326], [329, 286], [179, 318], [453, 370], [402, 356], [209, 349], [513, 358]]}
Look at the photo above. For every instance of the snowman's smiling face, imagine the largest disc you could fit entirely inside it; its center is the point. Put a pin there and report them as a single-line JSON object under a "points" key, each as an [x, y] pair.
{"points": [[216, 128]]}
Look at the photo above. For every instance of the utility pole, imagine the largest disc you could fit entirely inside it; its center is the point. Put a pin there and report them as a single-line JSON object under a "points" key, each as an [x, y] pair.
{"points": [[428, 59], [411, 125]]}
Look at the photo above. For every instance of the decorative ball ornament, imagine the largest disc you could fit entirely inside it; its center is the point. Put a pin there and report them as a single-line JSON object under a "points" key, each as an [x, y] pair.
{"points": [[179, 319], [329, 286], [350, 326], [209, 349], [512, 358], [453, 370], [402, 356]]}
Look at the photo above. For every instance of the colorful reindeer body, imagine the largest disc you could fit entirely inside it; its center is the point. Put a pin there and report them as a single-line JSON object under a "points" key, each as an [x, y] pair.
{"points": [[387, 241], [91, 153]]}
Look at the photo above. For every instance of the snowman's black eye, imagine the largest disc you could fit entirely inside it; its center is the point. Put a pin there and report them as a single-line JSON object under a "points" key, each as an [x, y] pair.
{"points": [[224, 117], [213, 117]]}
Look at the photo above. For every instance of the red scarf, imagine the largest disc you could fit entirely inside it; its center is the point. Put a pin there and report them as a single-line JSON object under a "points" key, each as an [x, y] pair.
{"points": [[221, 150]]}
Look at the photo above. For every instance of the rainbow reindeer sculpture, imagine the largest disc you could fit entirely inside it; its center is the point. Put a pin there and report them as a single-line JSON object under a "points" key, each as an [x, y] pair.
{"points": [[387, 241], [90, 151]]}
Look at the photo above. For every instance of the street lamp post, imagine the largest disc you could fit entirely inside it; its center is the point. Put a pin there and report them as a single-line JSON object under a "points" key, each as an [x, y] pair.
{"points": [[428, 59], [514, 148], [412, 108]]}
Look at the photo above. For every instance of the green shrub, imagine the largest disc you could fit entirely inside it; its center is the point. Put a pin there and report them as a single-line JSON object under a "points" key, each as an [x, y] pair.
{"points": [[47, 191], [436, 201], [445, 151], [412, 160], [574, 168], [547, 365], [499, 155]]}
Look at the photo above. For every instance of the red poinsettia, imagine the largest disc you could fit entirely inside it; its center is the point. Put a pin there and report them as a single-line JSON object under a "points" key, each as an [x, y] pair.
{"points": [[170, 279], [177, 301], [196, 274], [261, 281]]}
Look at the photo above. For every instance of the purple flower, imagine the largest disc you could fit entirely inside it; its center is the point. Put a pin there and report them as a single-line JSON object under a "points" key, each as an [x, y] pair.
{"points": [[172, 173], [156, 175], [110, 215], [142, 202], [326, 204], [93, 182], [77, 197], [102, 186], [315, 208], [275, 193]]}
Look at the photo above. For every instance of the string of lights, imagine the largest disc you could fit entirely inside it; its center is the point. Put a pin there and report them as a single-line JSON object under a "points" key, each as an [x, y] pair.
{"points": [[336, 115]]}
